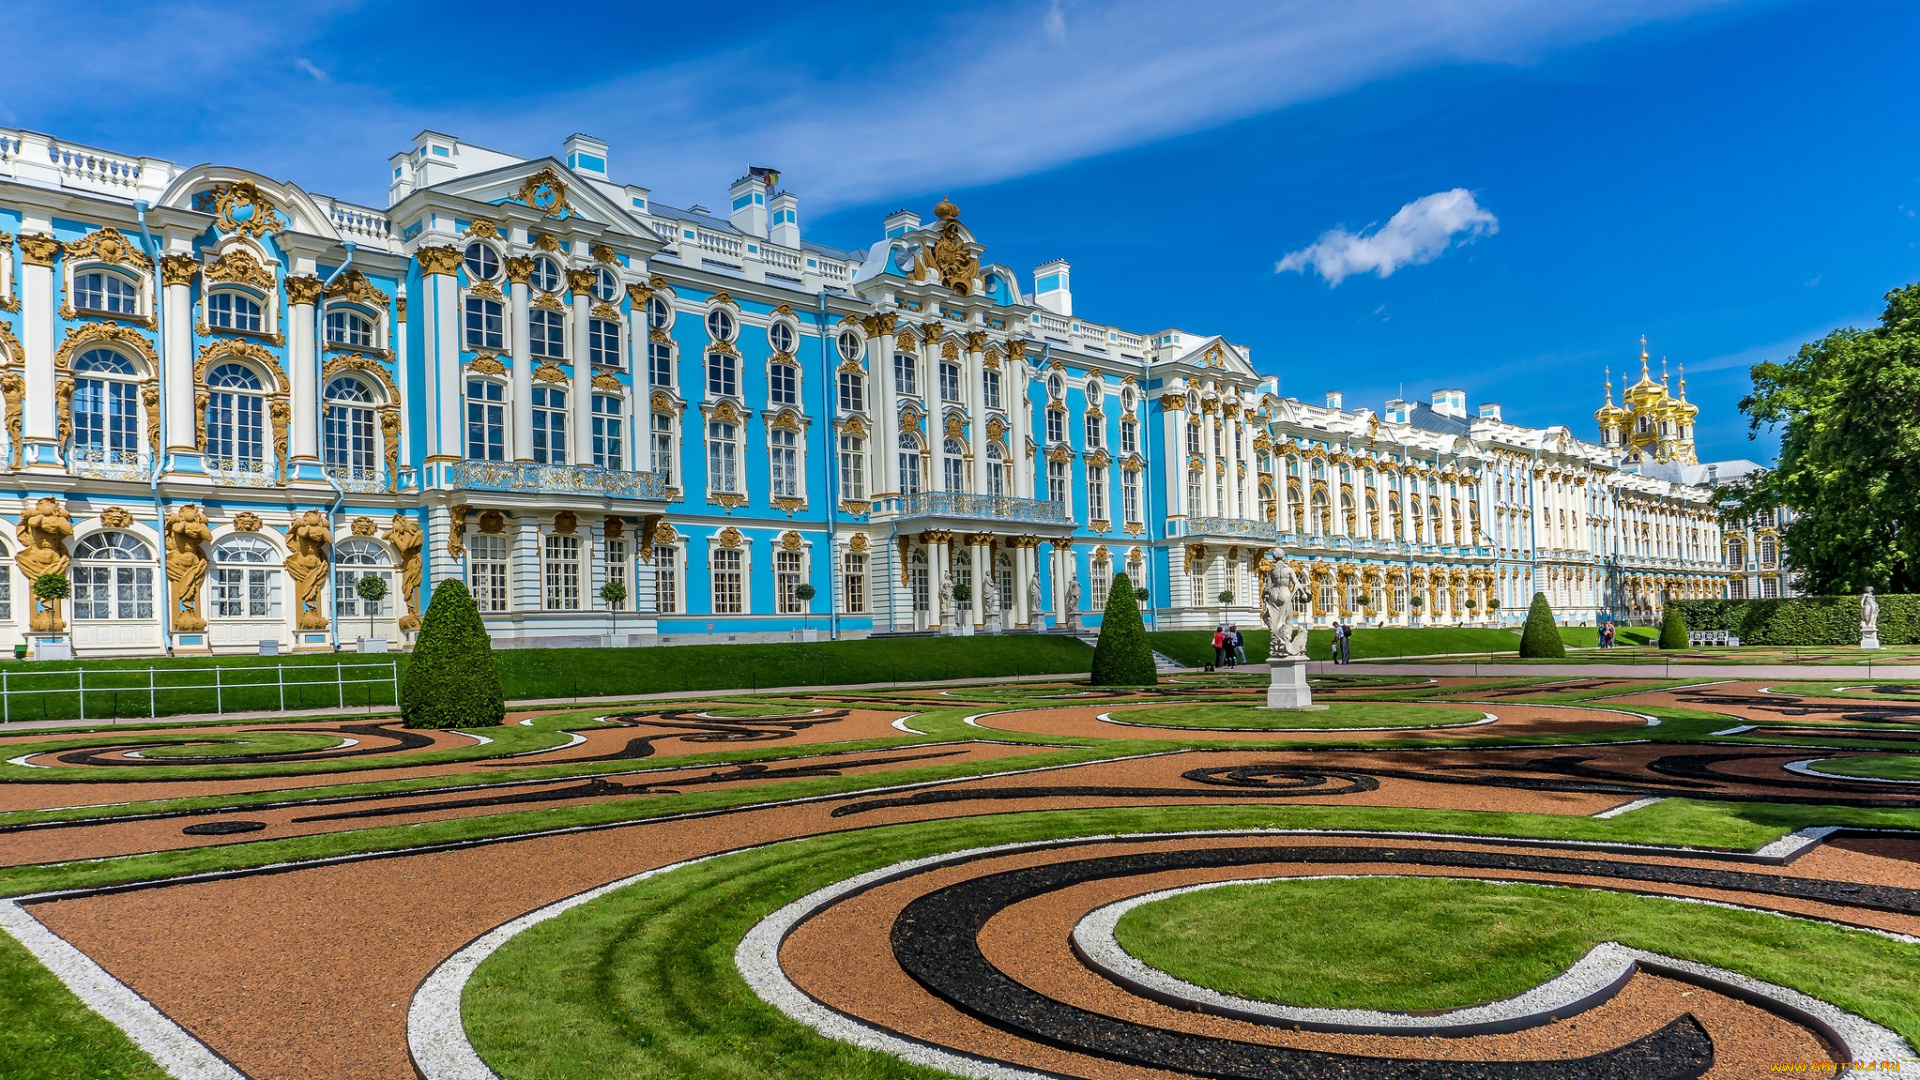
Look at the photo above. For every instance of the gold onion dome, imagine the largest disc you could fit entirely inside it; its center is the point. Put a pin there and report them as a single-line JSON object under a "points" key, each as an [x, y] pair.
{"points": [[1686, 408], [1609, 414]]}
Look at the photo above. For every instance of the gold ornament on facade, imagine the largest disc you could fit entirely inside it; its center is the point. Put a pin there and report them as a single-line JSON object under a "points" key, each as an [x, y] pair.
{"points": [[790, 541], [492, 522], [405, 536], [354, 288], [107, 333], [549, 372], [43, 532], [519, 269], [457, 530], [280, 415], [13, 389], [639, 294], [10, 351], [729, 537], [307, 540], [63, 408], [604, 381], [565, 522], [187, 535], [549, 302], [662, 402], [116, 517], [390, 436], [179, 270], [439, 260], [238, 265], [906, 338], [239, 207], [486, 290], [363, 526], [486, 365], [545, 242], [604, 310], [544, 191], [39, 249], [484, 229], [582, 281], [246, 521], [304, 291], [727, 500], [601, 253], [788, 504]]}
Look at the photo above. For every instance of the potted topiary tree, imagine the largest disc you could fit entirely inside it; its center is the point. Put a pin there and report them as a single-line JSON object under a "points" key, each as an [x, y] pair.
{"points": [[1414, 604], [805, 592], [1122, 656], [1540, 638], [963, 599], [371, 588], [1493, 606], [451, 680], [613, 594], [50, 644], [1473, 608]]}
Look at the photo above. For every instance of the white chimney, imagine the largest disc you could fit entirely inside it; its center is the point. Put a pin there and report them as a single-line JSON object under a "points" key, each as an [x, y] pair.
{"points": [[1334, 399], [1490, 410], [436, 159], [586, 154], [749, 195], [784, 219], [1450, 403], [1053, 287], [900, 223]]}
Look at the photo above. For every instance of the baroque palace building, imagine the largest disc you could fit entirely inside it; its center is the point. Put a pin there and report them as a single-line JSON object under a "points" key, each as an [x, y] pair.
{"points": [[228, 400]]}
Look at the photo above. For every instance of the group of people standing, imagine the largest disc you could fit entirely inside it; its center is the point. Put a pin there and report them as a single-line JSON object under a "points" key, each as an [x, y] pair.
{"points": [[1230, 646]]}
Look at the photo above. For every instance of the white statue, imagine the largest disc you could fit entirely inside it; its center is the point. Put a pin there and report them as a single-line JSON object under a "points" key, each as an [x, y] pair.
{"points": [[1288, 639], [992, 600], [1036, 602], [1869, 614], [1073, 595], [948, 609]]}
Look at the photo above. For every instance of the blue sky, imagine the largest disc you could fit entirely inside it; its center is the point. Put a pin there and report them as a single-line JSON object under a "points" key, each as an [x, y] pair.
{"points": [[1539, 181]]}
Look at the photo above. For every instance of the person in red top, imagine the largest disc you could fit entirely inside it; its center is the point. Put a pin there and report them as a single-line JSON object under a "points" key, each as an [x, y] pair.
{"points": [[1219, 647]]}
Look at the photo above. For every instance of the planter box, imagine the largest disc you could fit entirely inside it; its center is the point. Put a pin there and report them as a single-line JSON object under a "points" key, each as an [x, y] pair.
{"points": [[52, 647], [269, 646], [806, 635], [371, 645]]}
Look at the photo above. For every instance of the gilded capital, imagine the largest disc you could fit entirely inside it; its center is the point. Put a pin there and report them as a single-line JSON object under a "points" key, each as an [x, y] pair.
{"points": [[39, 249], [519, 269], [977, 341], [881, 324], [639, 294], [178, 269], [582, 281], [303, 290], [439, 260]]}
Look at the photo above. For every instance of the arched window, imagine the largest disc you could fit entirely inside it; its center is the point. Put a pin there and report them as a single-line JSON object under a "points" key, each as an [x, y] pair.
{"points": [[723, 375], [105, 292], [354, 558], [236, 431], [112, 577], [1736, 553], [1269, 507], [106, 414], [998, 472], [246, 578], [723, 474], [911, 468], [350, 327], [347, 430], [236, 311], [1322, 510], [783, 454], [953, 464]]}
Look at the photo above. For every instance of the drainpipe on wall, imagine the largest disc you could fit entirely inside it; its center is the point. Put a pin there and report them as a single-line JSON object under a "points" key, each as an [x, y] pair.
{"points": [[320, 420], [160, 384], [1146, 501], [832, 458]]}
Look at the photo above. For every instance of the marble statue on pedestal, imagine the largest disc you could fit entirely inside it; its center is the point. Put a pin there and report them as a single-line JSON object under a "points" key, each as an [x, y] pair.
{"points": [[1281, 595], [949, 609], [1869, 620]]}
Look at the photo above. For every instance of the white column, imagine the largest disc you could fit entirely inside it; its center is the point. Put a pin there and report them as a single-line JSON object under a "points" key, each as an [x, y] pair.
{"points": [[303, 295], [1229, 422], [520, 406], [443, 292], [176, 351], [36, 338], [886, 409], [976, 374], [1175, 457], [1017, 384], [581, 407], [640, 409], [1209, 503]]}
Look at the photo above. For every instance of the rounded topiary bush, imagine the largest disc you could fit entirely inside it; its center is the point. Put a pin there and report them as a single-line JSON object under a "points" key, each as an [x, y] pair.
{"points": [[1540, 639], [1122, 657], [451, 680], [1673, 629]]}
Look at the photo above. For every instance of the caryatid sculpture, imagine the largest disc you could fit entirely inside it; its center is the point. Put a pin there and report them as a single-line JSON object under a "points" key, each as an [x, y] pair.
{"points": [[1279, 603], [405, 536], [187, 534], [307, 540], [43, 533]]}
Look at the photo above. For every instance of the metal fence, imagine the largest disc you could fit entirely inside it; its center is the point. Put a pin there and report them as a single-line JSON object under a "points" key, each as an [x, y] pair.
{"points": [[150, 692]]}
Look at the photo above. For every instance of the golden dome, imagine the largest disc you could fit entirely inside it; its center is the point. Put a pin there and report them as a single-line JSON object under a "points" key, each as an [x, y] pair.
{"points": [[945, 210], [1609, 415]]}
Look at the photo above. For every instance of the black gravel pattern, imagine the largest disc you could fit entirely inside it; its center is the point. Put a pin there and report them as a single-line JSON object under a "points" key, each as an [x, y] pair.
{"points": [[688, 726], [399, 740], [936, 941], [1305, 782], [223, 828]]}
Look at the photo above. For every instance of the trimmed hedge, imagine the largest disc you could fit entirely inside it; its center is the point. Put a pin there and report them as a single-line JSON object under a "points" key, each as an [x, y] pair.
{"points": [[1122, 657], [1540, 638], [1673, 629], [1804, 620], [451, 681]]}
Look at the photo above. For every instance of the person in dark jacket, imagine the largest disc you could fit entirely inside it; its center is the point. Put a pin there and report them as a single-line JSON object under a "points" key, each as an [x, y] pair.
{"points": [[1239, 645]]}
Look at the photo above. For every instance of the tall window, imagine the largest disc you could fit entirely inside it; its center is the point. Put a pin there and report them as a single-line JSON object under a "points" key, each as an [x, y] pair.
{"points": [[1096, 431], [1096, 494], [953, 464], [609, 422], [236, 435], [1769, 552], [1102, 569], [783, 384], [560, 572], [783, 453], [853, 392], [354, 558], [949, 381], [348, 327], [917, 582], [603, 342], [786, 582], [723, 375], [99, 290], [112, 577], [1736, 553], [236, 311], [487, 572], [906, 375], [666, 579], [550, 425], [1057, 482], [991, 380], [547, 333], [853, 577], [1130, 496], [910, 466], [1129, 437], [485, 325], [617, 568], [998, 472], [660, 364], [1193, 492], [728, 586], [1399, 595], [486, 420], [1056, 425], [663, 455], [1193, 436], [246, 583], [853, 467], [347, 431], [723, 474], [106, 413]]}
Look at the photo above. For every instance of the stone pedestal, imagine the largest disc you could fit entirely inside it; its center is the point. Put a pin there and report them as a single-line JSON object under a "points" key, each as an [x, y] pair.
{"points": [[1870, 639], [993, 625], [1288, 689]]}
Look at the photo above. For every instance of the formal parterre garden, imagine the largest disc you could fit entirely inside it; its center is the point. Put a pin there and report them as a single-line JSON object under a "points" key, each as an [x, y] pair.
{"points": [[1435, 876]]}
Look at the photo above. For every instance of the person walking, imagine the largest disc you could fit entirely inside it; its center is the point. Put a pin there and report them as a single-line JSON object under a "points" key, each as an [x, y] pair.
{"points": [[1346, 640], [1219, 648], [1239, 645]]}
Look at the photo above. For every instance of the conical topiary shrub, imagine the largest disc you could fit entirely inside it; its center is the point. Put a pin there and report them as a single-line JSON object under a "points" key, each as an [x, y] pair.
{"points": [[451, 680], [1123, 657], [1673, 629], [1540, 639]]}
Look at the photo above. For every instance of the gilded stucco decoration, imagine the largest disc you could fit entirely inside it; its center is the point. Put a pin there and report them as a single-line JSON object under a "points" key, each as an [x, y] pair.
{"points": [[565, 522], [187, 536], [354, 288], [949, 257], [110, 247], [604, 255], [544, 191], [949, 350], [408, 542], [341, 365], [730, 537], [239, 207], [546, 242], [484, 229], [457, 530], [280, 415], [363, 526], [104, 333], [604, 381], [246, 521], [549, 373], [663, 535], [519, 269], [604, 310], [857, 542], [486, 365], [239, 266], [493, 522], [307, 540], [43, 532], [303, 291], [790, 541], [639, 294], [549, 302], [63, 408], [116, 517], [10, 351], [390, 439], [662, 402], [39, 249], [486, 290], [439, 260], [581, 281], [13, 390]]}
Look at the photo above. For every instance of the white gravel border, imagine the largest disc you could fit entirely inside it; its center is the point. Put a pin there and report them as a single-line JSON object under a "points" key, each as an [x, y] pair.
{"points": [[1107, 718], [1630, 807], [1805, 768]]}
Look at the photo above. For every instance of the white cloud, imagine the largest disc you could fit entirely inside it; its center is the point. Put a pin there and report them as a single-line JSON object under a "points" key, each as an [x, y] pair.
{"points": [[1416, 234], [1055, 22], [307, 66]]}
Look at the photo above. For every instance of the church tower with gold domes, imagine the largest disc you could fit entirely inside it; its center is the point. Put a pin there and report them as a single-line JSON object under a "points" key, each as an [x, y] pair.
{"points": [[1655, 424]]}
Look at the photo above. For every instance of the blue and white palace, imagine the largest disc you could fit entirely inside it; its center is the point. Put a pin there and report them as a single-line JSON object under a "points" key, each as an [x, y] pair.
{"points": [[229, 400]]}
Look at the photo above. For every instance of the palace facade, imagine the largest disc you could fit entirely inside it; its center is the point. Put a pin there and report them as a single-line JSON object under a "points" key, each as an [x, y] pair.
{"points": [[228, 401]]}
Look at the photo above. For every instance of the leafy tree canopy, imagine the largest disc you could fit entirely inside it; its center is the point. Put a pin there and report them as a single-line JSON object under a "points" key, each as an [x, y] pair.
{"points": [[1848, 407]]}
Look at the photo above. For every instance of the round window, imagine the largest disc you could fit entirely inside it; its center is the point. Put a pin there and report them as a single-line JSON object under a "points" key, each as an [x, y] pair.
{"points": [[780, 336], [546, 275], [481, 262], [659, 313], [605, 285], [1128, 399], [1056, 386], [1096, 389], [849, 346], [720, 324]]}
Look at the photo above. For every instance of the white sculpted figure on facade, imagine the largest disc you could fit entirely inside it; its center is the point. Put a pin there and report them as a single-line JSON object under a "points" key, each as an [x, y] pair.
{"points": [[1279, 605]]}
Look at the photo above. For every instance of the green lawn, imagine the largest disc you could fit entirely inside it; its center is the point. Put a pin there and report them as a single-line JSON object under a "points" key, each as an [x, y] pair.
{"points": [[118, 689], [252, 742], [1435, 943], [1880, 766], [1336, 716], [46, 1033]]}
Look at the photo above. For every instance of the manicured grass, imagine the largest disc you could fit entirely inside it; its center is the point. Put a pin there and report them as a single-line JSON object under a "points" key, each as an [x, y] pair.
{"points": [[46, 1033], [1194, 648], [1889, 693], [253, 742], [642, 981], [1435, 943], [1881, 766], [1337, 715], [119, 688]]}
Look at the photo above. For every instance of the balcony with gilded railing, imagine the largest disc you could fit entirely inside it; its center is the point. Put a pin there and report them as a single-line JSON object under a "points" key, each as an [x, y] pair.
{"points": [[973, 506], [536, 479], [1241, 528]]}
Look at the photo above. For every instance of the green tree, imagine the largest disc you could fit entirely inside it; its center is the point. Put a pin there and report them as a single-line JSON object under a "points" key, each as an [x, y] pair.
{"points": [[1848, 410], [372, 588], [451, 680], [1540, 638], [805, 592], [1122, 656], [1673, 628], [613, 594]]}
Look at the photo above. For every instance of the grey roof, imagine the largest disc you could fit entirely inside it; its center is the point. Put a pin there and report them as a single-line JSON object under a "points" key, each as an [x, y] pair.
{"points": [[722, 225], [1421, 415]]}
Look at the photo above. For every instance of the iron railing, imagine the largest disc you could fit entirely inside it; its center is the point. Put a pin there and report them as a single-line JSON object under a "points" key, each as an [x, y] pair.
{"points": [[973, 505], [556, 479]]}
